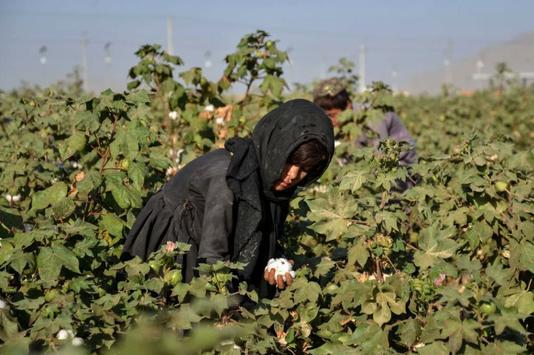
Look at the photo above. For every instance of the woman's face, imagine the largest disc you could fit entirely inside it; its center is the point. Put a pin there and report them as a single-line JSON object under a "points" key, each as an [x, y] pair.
{"points": [[291, 176]]}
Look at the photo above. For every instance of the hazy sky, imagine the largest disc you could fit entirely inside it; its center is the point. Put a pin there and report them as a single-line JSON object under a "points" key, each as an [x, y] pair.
{"points": [[401, 36]]}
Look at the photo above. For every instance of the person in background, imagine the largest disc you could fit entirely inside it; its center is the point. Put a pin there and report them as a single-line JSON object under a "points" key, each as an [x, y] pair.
{"points": [[332, 96], [230, 204]]}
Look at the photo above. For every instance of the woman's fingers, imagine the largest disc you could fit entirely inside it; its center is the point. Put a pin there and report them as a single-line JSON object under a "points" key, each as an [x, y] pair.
{"points": [[272, 280], [289, 279], [280, 282]]}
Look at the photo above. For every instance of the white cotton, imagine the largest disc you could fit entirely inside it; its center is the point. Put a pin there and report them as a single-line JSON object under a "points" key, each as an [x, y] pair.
{"points": [[77, 341], [219, 121], [173, 115], [178, 156], [336, 144], [209, 108], [64, 334], [16, 198], [3, 304], [171, 171], [282, 266], [9, 198]]}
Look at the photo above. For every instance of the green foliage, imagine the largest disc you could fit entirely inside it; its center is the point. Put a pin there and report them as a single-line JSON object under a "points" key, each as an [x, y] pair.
{"points": [[444, 267], [344, 69], [256, 58]]}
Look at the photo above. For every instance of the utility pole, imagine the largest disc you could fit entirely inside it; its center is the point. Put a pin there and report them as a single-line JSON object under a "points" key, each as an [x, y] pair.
{"points": [[207, 59], [107, 57], [447, 63], [361, 80], [85, 76], [42, 54], [394, 84], [107, 60], [170, 47]]}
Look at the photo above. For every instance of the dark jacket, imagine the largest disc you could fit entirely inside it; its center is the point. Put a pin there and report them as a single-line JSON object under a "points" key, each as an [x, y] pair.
{"points": [[222, 203]]}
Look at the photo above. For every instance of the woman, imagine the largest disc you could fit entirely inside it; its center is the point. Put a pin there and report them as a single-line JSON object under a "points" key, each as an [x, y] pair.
{"points": [[231, 204]]}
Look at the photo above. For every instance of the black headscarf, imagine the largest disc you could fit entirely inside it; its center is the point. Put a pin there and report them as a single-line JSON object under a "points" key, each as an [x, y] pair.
{"points": [[257, 163]]}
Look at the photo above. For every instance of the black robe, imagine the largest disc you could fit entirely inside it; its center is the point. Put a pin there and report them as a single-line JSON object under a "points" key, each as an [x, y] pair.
{"points": [[222, 203]]}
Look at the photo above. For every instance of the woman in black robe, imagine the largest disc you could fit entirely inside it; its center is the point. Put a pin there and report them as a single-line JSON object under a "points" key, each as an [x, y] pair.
{"points": [[231, 204]]}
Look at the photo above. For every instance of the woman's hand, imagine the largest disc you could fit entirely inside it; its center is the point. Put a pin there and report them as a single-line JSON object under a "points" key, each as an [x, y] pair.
{"points": [[269, 276]]}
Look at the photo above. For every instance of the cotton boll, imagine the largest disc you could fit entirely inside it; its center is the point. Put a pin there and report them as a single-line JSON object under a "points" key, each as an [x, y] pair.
{"points": [[3, 304], [282, 266], [77, 341], [209, 108], [171, 171], [64, 334], [173, 115]]}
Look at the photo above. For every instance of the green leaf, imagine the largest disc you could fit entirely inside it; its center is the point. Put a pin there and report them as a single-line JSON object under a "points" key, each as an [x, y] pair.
{"points": [[436, 348], [72, 145], [64, 208], [113, 224], [526, 256], [137, 173], [51, 259], [434, 245], [51, 196], [49, 267], [133, 84], [409, 332], [358, 253], [382, 314]]}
